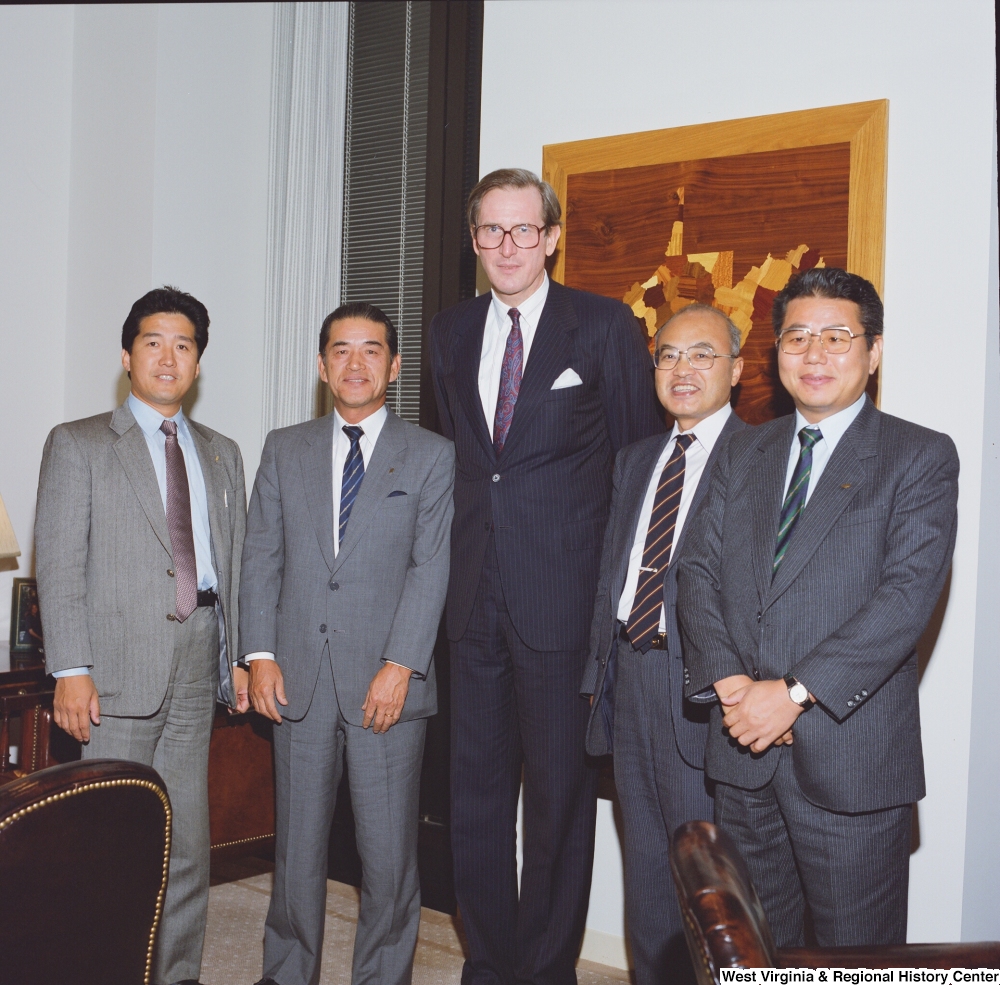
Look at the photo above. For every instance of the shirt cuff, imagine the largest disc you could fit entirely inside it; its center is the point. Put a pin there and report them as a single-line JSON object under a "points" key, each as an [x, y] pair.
{"points": [[258, 655], [72, 672], [396, 663]]}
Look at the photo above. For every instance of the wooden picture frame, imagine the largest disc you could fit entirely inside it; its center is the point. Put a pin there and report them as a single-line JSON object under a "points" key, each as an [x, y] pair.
{"points": [[25, 621], [604, 214]]}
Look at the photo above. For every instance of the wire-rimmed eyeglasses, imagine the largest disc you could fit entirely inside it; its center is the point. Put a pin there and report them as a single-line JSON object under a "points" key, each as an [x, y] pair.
{"points": [[836, 340], [698, 356], [524, 235]]}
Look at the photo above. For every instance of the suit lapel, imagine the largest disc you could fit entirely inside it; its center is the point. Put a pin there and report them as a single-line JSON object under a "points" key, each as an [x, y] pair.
{"points": [[381, 475], [547, 360], [316, 463], [133, 453], [766, 493], [843, 476], [467, 357]]}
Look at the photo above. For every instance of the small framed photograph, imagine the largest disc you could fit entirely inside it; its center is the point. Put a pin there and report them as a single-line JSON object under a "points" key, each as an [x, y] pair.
{"points": [[25, 619]]}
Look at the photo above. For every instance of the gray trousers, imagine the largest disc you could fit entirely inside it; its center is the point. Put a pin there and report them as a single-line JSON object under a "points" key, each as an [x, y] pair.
{"points": [[174, 741], [384, 775], [657, 792], [851, 869]]}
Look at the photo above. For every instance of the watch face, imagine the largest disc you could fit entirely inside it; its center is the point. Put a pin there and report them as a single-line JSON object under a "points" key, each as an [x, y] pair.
{"points": [[798, 693]]}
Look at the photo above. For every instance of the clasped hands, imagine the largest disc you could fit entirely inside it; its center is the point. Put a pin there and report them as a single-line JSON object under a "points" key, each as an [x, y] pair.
{"points": [[758, 714], [382, 706]]}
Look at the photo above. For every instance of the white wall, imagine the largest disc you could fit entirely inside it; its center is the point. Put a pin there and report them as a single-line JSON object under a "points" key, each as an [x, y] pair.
{"points": [[135, 153], [36, 65], [600, 68]]}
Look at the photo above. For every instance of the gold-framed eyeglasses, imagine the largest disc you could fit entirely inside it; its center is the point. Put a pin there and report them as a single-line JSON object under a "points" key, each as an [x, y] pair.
{"points": [[836, 340], [698, 356], [524, 235]]}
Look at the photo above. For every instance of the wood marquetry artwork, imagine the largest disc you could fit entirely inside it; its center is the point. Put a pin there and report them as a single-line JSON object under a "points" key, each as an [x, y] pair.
{"points": [[724, 214]]}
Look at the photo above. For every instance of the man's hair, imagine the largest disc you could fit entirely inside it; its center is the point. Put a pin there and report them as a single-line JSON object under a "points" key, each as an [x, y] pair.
{"points": [[515, 178], [735, 335], [360, 309], [167, 300], [833, 283]]}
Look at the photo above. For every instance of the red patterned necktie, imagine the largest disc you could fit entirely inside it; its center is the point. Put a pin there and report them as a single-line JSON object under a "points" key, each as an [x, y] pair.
{"points": [[179, 525], [510, 381], [644, 619]]}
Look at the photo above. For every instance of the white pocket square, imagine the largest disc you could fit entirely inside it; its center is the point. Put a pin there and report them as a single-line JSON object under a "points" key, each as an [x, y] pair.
{"points": [[568, 377]]}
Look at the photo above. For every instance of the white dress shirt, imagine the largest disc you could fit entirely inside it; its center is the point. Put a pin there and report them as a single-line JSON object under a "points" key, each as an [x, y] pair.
{"points": [[498, 325], [832, 429], [706, 434], [149, 420], [372, 427]]}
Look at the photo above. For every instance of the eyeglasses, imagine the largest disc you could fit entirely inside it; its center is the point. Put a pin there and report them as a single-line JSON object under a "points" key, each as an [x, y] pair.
{"points": [[525, 236], [698, 357], [836, 340]]}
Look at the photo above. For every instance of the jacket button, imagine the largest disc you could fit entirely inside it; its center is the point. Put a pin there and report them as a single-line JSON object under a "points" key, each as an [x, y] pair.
{"points": [[171, 617], [322, 627], [334, 586], [857, 697], [170, 571], [864, 694], [850, 704], [496, 478]]}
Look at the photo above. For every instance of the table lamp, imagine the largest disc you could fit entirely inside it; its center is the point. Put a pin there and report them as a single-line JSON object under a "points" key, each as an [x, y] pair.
{"points": [[8, 542]]}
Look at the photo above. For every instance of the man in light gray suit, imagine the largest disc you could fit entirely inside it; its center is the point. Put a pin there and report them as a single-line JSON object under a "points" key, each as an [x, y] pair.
{"points": [[345, 570], [636, 668], [819, 553], [138, 537]]}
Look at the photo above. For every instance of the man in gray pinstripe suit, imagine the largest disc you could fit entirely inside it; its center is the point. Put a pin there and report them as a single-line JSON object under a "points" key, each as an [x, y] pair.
{"points": [[821, 548]]}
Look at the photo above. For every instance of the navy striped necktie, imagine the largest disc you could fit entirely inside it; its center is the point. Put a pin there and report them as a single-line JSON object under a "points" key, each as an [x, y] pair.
{"points": [[795, 498], [354, 473], [644, 620]]}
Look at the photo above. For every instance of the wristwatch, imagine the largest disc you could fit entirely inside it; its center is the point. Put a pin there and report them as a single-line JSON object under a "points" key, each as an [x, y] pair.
{"points": [[797, 691]]}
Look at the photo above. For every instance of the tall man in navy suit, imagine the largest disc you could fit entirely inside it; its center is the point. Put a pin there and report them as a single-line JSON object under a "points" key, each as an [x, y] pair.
{"points": [[539, 386], [818, 556], [636, 668]]}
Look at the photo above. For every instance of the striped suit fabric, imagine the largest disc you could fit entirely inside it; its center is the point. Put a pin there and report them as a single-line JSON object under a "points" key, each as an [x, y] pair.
{"points": [[843, 614]]}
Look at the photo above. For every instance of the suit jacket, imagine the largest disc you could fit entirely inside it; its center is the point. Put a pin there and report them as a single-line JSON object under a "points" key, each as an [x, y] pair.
{"points": [[104, 562], [546, 498], [863, 570], [633, 471], [381, 597]]}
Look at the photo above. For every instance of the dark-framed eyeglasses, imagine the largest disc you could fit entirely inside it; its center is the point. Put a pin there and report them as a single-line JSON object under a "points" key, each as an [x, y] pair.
{"points": [[698, 356], [524, 235], [836, 340]]}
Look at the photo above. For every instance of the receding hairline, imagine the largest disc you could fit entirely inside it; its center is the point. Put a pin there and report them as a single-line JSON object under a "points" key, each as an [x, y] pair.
{"points": [[725, 323], [384, 341]]}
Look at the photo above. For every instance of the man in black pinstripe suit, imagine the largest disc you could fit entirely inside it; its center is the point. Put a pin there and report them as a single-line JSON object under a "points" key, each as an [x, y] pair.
{"points": [[821, 549], [539, 386]]}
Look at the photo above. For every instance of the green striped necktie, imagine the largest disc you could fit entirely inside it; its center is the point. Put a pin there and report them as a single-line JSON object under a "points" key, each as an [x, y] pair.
{"points": [[795, 498]]}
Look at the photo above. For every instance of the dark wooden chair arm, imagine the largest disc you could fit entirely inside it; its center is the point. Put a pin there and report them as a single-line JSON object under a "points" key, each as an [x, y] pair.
{"points": [[984, 954]]}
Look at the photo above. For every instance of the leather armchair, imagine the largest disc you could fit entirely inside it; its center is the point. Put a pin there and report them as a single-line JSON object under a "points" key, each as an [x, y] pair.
{"points": [[725, 924], [83, 868]]}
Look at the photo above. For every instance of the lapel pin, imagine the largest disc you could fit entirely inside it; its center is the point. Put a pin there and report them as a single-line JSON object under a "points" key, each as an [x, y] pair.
{"points": [[392, 470], [216, 457], [846, 485]]}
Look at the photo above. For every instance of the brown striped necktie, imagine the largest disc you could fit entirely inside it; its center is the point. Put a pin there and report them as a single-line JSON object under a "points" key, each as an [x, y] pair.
{"points": [[644, 620], [179, 525]]}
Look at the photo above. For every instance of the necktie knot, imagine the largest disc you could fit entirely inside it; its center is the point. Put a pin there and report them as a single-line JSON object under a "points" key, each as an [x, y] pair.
{"points": [[515, 318], [684, 440], [809, 437], [354, 432], [169, 428]]}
